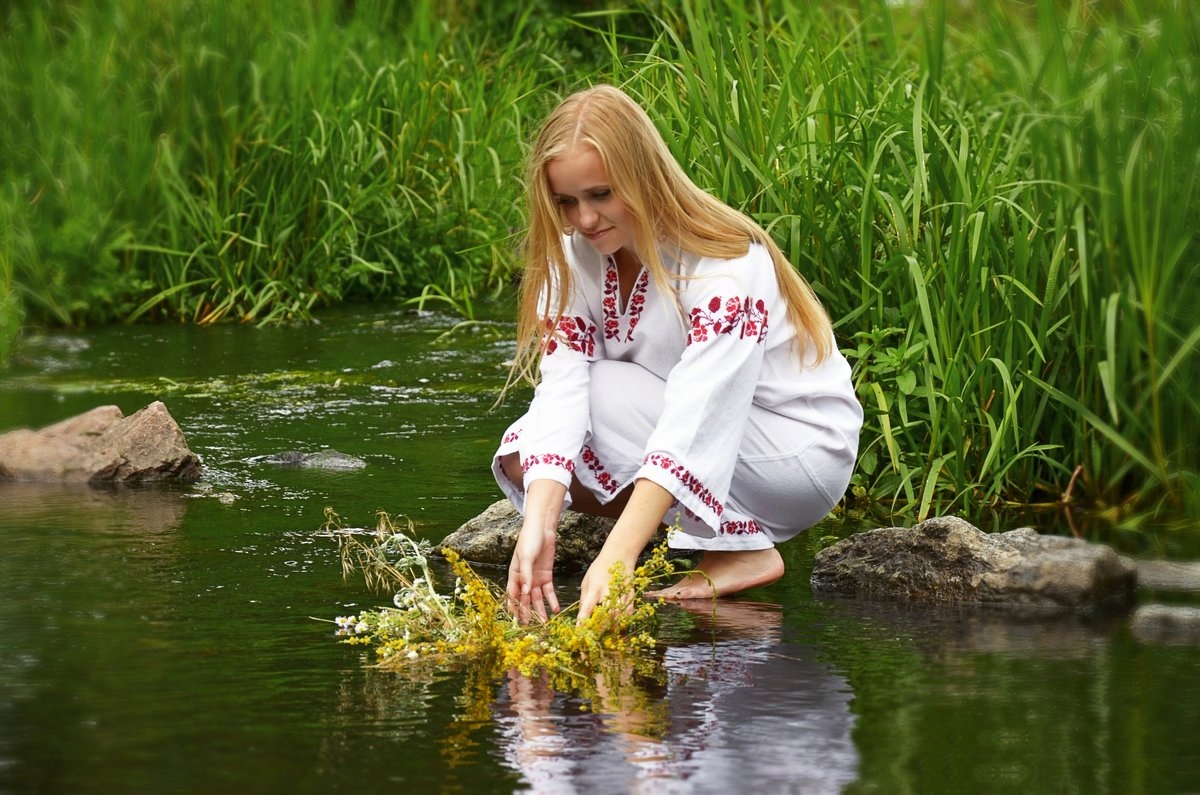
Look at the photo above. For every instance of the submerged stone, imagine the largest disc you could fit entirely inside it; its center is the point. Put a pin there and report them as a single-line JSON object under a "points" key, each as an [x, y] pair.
{"points": [[948, 560], [324, 459], [101, 446], [1167, 575]]}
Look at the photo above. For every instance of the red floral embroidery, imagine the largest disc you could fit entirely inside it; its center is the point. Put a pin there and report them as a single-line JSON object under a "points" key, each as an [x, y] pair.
{"points": [[747, 527], [612, 327], [744, 527], [606, 481], [511, 436], [690, 481], [548, 458], [576, 332], [746, 316], [637, 303]]}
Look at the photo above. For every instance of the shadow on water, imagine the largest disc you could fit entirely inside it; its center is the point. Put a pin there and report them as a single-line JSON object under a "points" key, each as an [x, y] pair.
{"points": [[159, 639]]}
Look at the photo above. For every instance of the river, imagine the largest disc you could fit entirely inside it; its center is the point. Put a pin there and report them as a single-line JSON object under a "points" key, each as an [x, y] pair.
{"points": [[162, 639]]}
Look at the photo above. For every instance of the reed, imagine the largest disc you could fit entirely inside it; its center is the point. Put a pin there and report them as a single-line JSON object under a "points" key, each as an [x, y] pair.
{"points": [[1000, 211], [997, 202], [11, 313], [254, 161]]}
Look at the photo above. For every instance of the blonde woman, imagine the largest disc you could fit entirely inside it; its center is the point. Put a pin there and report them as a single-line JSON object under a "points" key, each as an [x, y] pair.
{"points": [[685, 371]]}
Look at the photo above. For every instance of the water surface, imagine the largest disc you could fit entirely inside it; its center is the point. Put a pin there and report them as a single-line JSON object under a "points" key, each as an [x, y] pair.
{"points": [[159, 639]]}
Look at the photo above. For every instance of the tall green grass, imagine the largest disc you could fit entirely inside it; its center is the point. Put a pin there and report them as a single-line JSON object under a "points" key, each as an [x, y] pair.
{"points": [[208, 161], [999, 209], [997, 202], [11, 312]]}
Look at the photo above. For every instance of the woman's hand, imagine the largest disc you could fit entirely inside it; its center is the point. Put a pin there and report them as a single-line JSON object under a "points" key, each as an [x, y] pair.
{"points": [[531, 574], [639, 519], [598, 579]]}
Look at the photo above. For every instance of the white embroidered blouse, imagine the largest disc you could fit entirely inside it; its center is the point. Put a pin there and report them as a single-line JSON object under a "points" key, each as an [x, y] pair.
{"points": [[736, 350]]}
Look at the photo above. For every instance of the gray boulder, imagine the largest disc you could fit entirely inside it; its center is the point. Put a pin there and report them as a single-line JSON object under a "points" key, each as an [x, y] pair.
{"points": [[101, 446], [490, 537], [1175, 624], [1167, 575], [948, 560]]}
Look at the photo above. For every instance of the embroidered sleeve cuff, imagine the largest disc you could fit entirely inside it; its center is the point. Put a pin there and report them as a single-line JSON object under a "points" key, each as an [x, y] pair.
{"points": [[548, 466], [684, 486]]}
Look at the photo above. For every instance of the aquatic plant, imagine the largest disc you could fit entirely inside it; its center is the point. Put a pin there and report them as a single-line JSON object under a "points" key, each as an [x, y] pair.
{"points": [[472, 622]]}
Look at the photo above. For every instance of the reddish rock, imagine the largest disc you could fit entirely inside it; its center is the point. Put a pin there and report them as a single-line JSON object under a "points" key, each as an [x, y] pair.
{"points": [[101, 446]]}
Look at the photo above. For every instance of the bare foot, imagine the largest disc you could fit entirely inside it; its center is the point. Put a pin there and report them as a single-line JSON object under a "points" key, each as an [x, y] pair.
{"points": [[728, 572]]}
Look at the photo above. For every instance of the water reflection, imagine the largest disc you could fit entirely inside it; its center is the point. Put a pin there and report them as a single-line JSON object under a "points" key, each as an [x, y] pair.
{"points": [[379, 704], [146, 510], [737, 711], [946, 632]]}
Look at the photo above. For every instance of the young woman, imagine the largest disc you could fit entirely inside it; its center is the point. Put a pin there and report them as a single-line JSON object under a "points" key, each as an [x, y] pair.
{"points": [[687, 372]]}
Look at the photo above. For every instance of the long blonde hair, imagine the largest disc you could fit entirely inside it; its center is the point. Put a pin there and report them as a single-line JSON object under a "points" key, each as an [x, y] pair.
{"points": [[667, 207]]}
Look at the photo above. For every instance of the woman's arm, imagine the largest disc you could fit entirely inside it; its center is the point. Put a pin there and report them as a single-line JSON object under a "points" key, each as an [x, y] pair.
{"points": [[552, 435], [642, 516]]}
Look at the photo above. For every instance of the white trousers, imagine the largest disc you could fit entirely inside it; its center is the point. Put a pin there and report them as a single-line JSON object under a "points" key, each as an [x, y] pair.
{"points": [[787, 476]]}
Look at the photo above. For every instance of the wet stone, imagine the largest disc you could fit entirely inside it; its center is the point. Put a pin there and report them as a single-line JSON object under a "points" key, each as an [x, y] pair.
{"points": [[1167, 575], [948, 560], [323, 459], [490, 538], [1172, 624]]}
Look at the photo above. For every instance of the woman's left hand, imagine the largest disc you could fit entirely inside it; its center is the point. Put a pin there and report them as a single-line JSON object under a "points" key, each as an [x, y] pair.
{"points": [[629, 536], [598, 579]]}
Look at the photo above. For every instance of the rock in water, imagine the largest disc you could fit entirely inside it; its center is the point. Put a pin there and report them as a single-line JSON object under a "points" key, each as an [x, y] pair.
{"points": [[491, 536], [102, 446], [947, 559], [1167, 575], [1167, 624], [325, 459]]}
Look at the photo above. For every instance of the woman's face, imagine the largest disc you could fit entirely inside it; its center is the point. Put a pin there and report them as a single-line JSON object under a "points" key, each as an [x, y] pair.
{"points": [[579, 184]]}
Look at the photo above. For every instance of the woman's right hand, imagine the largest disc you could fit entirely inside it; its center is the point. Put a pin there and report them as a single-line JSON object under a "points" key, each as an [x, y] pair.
{"points": [[531, 573]]}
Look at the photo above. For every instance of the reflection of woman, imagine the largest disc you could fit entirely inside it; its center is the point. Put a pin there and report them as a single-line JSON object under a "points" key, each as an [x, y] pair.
{"points": [[741, 713], [687, 371]]}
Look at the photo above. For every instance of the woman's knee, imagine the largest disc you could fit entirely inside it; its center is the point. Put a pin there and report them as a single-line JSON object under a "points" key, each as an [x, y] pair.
{"points": [[625, 396]]}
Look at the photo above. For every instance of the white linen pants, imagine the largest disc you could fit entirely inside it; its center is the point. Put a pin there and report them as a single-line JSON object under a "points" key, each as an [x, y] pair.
{"points": [[788, 474]]}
